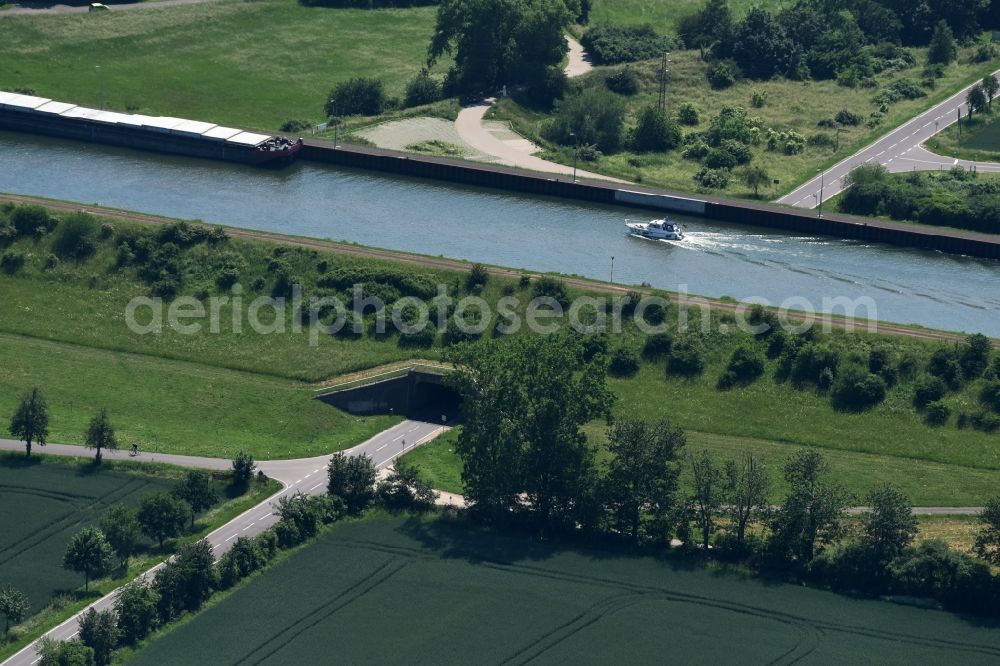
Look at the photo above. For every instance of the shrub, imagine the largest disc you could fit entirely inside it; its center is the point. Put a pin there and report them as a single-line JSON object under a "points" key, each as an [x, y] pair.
{"points": [[975, 356], [624, 82], [695, 151], [722, 75], [356, 96], [717, 179], [810, 362], [758, 99], [655, 131], [614, 44], [423, 89], [551, 288], [686, 358], [719, 158], [845, 117], [295, 125], [592, 117], [937, 413], [624, 362], [687, 114], [31, 220], [477, 277], [945, 364], [74, 237], [657, 346], [858, 390], [745, 366], [990, 395], [51, 262], [12, 261], [106, 231]]}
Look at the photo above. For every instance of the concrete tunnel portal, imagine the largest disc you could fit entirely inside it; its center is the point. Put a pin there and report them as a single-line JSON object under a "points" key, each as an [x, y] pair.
{"points": [[418, 395]]}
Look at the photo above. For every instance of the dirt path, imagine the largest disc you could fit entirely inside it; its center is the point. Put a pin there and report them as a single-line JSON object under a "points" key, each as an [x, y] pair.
{"points": [[457, 265]]}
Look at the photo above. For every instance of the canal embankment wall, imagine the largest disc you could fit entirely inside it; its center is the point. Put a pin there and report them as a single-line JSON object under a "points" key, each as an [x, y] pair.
{"points": [[750, 213]]}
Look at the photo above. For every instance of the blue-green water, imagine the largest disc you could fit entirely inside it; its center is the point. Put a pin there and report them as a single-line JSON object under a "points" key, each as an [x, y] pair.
{"points": [[717, 259]]}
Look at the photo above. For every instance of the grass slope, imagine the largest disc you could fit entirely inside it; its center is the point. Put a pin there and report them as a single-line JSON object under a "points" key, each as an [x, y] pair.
{"points": [[978, 140], [447, 591], [248, 64], [663, 14]]}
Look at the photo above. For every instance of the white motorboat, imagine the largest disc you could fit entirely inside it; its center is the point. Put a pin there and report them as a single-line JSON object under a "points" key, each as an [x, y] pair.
{"points": [[656, 229]]}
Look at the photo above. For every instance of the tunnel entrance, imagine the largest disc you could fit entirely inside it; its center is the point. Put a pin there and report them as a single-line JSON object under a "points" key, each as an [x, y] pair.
{"points": [[416, 394]]}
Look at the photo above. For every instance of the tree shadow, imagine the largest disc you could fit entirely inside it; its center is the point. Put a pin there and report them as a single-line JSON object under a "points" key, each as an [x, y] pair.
{"points": [[18, 461]]}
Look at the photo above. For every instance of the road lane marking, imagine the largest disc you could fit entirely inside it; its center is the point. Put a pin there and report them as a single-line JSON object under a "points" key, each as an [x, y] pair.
{"points": [[381, 447], [316, 486], [232, 537]]}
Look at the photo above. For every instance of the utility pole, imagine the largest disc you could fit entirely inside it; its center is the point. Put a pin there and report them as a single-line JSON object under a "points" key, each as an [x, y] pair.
{"points": [[576, 151], [661, 104], [822, 179], [612, 269]]}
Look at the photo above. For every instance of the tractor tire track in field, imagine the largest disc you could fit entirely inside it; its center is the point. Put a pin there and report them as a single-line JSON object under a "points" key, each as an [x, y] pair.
{"points": [[76, 517], [322, 612], [811, 630], [456, 265]]}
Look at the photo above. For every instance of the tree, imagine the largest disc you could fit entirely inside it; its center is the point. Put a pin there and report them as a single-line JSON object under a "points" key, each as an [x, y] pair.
{"points": [[708, 494], [422, 89], [991, 87], [356, 96], [987, 544], [64, 653], [500, 42], [89, 553], [13, 606], [243, 469], [942, 47], [976, 99], [196, 489], [889, 524], [121, 528], [655, 132], [101, 434], [162, 516], [756, 177], [747, 493], [30, 422], [352, 479], [975, 355], [186, 581], [642, 474], [135, 607], [405, 488], [760, 46], [712, 23], [99, 632], [812, 513], [526, 399], [591, 117]]}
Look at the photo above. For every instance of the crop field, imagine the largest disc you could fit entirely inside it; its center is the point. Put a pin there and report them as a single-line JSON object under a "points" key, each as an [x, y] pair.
{"points": [[393, 591], [43, 506], [248, 64]]}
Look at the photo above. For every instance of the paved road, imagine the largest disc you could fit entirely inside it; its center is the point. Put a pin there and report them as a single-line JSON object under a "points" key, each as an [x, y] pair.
{"points": [[579, 62], [899, 150], [306, 476]]}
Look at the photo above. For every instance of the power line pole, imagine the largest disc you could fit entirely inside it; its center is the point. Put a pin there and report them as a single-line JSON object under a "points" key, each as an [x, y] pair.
{"points": [[661, 104]]}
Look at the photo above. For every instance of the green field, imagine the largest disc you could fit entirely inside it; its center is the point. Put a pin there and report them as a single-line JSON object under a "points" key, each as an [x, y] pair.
{"points": [[978, 140], [662, 14], [405, 591], [248, 64], [43, 506]]}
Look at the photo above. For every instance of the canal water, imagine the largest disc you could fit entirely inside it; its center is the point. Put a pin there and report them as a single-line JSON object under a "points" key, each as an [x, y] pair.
{"points": [[717, 259]]}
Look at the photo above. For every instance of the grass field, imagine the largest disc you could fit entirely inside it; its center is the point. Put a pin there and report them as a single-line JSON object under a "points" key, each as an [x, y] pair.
{"points": [[248, 64], [662, 14], [790, 105], [978, 140], [404, 591]]}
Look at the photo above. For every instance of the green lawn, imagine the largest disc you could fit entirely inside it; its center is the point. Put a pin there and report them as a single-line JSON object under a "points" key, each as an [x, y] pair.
{"points": [[790, 105], [46, 499], [447, 591], [978, 140], [663, 14], [248, 64]]}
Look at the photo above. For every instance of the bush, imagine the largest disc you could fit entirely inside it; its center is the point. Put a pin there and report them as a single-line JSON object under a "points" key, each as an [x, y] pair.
{"points": [[758, 99], [624, 82], [592, 117], [945, 364], [624, 362], [810, 362], [687, 114], [477, 277], [719, 158], [937, 413], [357, 96], [295, 125], [423, 89], [74, 236], [989, 396], [12, 261], [717, 179], [745, 366], [686, 358], [31, 221], [858, 390], [657, 346], [722, 75], [845, 117], [614, 44], [655, 132], [551, 288]]}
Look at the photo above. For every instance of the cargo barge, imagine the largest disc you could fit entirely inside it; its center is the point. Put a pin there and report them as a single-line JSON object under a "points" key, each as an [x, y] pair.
{"points": [[194, 138]]}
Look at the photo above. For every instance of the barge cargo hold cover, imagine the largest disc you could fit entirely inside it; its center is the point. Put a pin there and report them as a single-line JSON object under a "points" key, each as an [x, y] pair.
{"points": [[27, 113]]}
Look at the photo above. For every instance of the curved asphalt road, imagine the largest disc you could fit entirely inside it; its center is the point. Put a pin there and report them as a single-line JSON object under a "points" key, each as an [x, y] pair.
{"points": [[899, 150], [306, 475]]}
